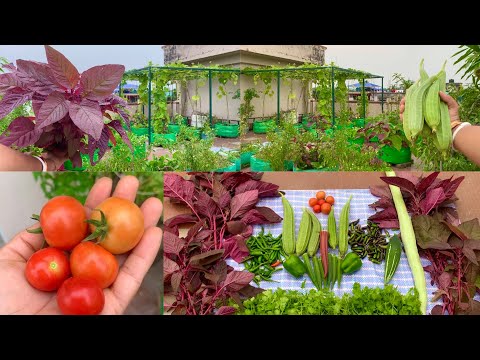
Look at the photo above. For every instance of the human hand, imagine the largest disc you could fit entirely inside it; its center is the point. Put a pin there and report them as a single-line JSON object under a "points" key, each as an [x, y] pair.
{"points": [[55, 159], [450, 101], [17, 296]]}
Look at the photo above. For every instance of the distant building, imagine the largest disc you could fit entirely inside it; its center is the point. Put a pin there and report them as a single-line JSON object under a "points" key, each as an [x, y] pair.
{"points": [[241, 56]]}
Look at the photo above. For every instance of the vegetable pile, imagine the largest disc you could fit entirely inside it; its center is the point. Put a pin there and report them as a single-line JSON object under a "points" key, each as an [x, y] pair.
{"points": [[366, 301], [367, 241], [80, 279], [73, 112], [223, 212], [265, 256]]}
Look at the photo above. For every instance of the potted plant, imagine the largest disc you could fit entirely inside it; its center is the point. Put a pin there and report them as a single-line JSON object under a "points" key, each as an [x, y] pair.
{"points": [[261, 126], [246, 109], [247, 150], [224, 128], [177, 121], [385, 133]]}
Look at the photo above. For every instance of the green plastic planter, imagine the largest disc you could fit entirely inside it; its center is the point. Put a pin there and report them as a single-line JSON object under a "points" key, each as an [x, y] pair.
{"points": [[262, 127], [140, 131], [298, 127], [393, 156], [227, 130], [173, 128], [260, 165], [245, 158], [359, 123], [230, 168]]}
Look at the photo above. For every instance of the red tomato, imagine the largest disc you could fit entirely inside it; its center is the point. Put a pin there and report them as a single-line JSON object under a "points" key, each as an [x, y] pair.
{"points": [[79, 296], [47, 269], [326, 207], [321, 202], [317, 208], [62, 220], [125, 224], [330, 200], [91, 261], [312, 202], [320, 195]]}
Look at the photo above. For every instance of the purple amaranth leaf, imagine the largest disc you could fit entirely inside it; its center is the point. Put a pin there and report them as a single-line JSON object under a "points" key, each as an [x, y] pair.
{"points": [[88, 117], [220, 195], [38, 76], [235, 248], [53, 109], [180, 220], [206, 258], [9, 81], [381, 191], [21, 132], [76, 160], [176, 187], [264, 189], [121, 131], [176, 281], [124, 115], [261, 215], [169, 267], [206, 206], [99, 82], [172, 244], [402, 183], [425, 183], [236, 280], [65, 73], [434, 198], [226, 310], [382, 203], [236, 227], [194, 230], [13, 98], [242, 203], [453, 186]]}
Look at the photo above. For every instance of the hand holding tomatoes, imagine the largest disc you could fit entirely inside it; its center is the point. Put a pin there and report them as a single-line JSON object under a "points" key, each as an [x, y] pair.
{"points": [[17, 296]]}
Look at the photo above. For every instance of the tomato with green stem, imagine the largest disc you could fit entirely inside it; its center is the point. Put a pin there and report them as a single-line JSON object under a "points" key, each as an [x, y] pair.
{"points": [[47, 269], [117, 224], [80, 296], [91, 261], [63, 222]]}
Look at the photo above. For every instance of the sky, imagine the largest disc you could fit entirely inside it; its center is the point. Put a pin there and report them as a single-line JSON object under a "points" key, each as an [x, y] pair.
{"points": [[378, 59]]}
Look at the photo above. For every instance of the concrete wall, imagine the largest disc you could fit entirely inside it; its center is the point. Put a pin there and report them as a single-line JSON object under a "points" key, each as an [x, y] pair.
{"points": [[271, 102]]}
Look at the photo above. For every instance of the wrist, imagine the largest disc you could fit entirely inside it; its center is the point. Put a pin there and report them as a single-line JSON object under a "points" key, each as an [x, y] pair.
{"points": [[456, 130]]}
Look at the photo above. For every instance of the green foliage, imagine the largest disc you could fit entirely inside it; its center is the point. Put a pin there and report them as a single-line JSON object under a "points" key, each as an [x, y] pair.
{"points": [[139, 120], [195, 154], [469, 55], [337, 152], [78, 184], [120, 157], [469, 100], [360, 111], [401, 82], [246, 109], [362, 301]]}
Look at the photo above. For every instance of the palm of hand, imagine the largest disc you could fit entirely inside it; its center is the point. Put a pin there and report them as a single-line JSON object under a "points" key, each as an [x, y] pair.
{"points": [[19, 297]]}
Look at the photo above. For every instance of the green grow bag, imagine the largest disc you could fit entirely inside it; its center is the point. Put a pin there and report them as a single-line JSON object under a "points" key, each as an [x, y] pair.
{"points": [[230, 168], [260, 165], [393, 156], [359, 123], [245, 158], [228, 131], [262, 127], [298, 127], [140, 131], [157, 139], [358, 141], [173, 128]]}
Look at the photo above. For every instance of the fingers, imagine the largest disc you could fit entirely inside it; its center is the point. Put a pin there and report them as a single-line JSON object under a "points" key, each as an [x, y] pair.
{"points": [[450, 101], [152, 210], [402, 107], [136, 266], [99, 192], [127, 188], [24, 244]]}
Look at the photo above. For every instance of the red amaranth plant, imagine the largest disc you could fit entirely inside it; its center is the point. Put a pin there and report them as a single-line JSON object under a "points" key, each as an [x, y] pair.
{"points": [[71, 109], [223, 210]]}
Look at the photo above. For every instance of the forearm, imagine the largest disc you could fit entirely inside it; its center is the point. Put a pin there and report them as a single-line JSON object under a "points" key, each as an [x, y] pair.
{"points": [[467, 141], [12, 160]]}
